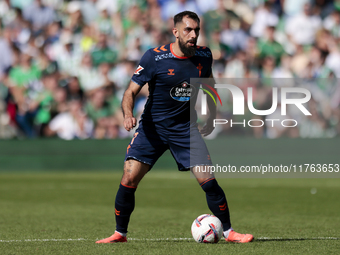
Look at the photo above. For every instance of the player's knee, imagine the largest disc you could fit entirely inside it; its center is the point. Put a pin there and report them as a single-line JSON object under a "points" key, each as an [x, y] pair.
{"points": [[129, 180], [134, 171], [201, 173]]}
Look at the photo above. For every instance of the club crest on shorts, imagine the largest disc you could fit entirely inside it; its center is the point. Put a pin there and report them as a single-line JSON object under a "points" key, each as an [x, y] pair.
{"points": [[182, 92]]}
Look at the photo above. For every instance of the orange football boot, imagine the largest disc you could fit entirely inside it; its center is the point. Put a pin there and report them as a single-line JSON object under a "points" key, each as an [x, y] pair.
{"points": [[235, 237], [115, 238]]}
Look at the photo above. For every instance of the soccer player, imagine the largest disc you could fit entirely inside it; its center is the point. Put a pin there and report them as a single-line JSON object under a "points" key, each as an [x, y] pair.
{"points": [[165, 123]]}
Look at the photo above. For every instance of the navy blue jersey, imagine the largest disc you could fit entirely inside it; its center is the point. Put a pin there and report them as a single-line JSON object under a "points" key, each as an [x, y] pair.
{"points": [[168, 76]]}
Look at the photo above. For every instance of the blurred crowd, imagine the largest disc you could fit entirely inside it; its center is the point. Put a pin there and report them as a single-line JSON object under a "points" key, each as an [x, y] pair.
{"points": [[64, 65]]}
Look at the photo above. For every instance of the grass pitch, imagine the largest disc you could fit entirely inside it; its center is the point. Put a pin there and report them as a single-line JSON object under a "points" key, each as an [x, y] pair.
{"points": [[41, 211]]}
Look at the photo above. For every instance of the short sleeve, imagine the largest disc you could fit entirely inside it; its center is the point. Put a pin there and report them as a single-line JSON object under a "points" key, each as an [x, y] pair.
{"points": [[146, 69]]}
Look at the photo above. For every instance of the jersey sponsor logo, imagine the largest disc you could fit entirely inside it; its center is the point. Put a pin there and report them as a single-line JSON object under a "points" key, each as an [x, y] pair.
{"points": [[182, 92], [171, 72], [139, 69]]}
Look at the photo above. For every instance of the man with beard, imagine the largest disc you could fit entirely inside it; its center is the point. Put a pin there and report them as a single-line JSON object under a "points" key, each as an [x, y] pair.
{"points": [[166, 123]]}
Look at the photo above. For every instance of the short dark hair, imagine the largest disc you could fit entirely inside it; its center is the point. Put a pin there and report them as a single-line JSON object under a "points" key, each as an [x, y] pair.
{"points": [[179, 17]]}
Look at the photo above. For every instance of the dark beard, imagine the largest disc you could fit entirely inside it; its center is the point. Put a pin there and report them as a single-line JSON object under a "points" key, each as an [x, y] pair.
{"points": [[188, 51]]}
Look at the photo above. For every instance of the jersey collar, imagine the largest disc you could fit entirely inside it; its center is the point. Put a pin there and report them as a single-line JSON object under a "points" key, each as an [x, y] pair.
{"points": [[173, 53]]}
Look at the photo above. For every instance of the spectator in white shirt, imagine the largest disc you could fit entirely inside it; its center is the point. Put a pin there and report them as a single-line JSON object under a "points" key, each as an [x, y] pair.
{"points": [[264, 18], [302, 28], [72, 124], [332, 23]]}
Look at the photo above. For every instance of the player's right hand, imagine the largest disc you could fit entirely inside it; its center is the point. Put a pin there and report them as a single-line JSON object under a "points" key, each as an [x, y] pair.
{"points": [[129, 123]]}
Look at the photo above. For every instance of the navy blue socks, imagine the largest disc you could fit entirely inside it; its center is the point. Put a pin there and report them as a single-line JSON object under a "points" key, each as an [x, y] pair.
{"points": [[217, 201], [124, 205]]}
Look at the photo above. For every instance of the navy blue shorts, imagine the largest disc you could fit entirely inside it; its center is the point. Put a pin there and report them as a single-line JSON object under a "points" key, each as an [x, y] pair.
{"points": [[150, 142]]}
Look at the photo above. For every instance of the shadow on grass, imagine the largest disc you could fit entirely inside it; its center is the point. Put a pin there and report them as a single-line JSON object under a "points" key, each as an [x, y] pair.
{"points": [[268, 239]]}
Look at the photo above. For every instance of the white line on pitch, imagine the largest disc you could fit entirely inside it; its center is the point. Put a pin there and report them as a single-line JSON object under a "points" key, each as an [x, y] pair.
{"points": [[256, 238], [43, 240], [160, 239], [166, 239], [298, 238]]}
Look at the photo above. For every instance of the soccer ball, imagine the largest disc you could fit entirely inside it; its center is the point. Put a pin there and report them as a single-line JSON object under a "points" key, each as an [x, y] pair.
{"points": [[207, 228]]}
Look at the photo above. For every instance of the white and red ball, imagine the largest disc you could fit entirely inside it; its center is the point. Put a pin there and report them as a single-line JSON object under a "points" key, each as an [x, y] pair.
{"points": [[207, 228]]}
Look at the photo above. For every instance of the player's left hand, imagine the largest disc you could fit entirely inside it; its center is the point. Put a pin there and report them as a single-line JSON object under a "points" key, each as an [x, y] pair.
{"points": [[208, 127]]}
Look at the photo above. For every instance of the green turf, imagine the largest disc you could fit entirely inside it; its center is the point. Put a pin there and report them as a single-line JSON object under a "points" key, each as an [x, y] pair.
{"points": [[80, 205], [94, 155]]}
